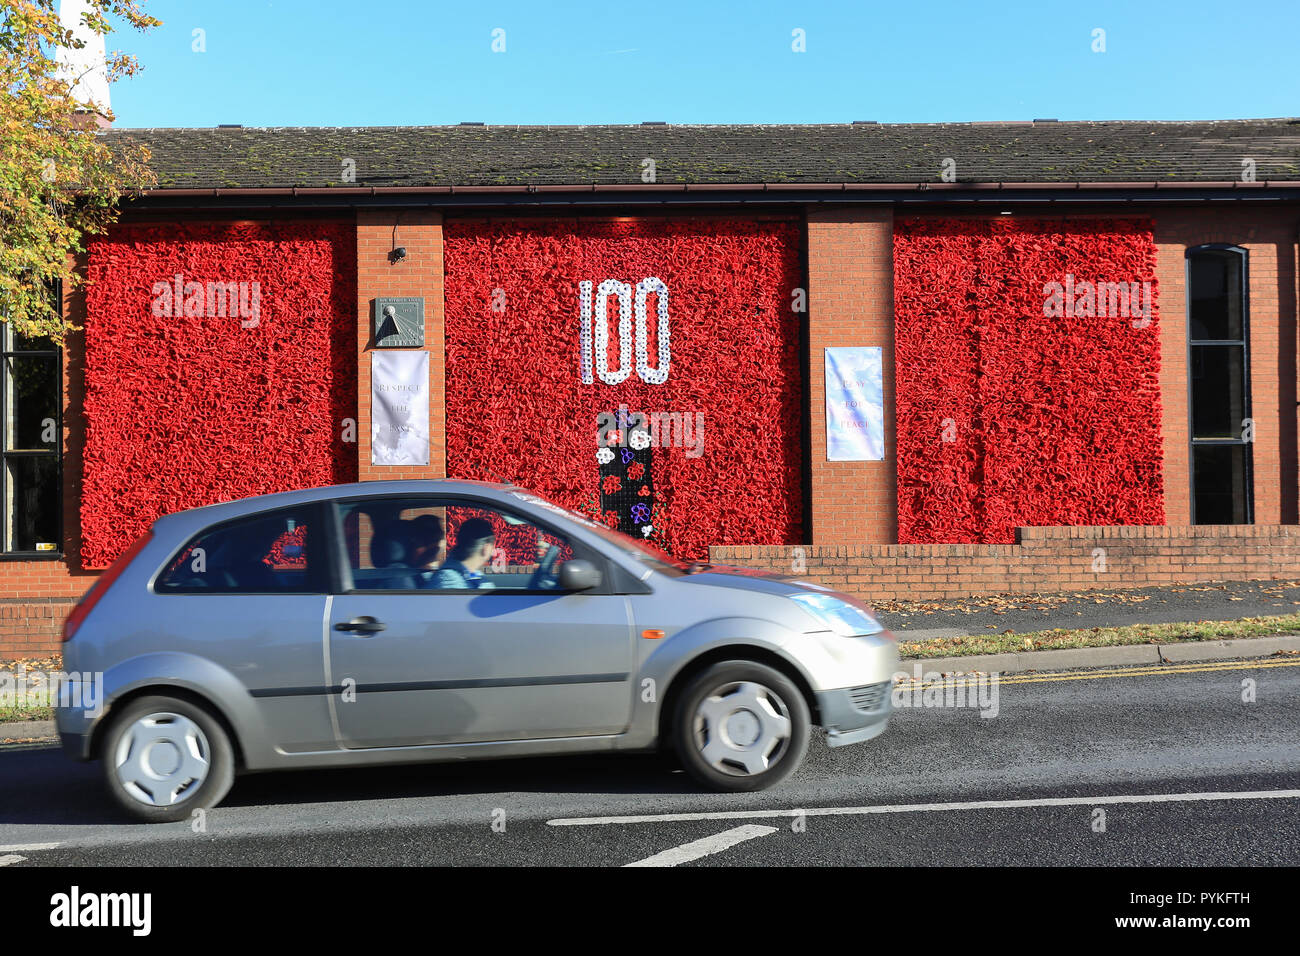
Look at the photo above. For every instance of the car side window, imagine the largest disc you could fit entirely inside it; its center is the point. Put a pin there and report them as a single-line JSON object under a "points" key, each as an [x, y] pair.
{"points": [[409, 544], [270, 553]]}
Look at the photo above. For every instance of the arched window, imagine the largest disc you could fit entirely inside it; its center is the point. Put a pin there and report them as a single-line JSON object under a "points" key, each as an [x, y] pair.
{"points": [[1219, 394]]}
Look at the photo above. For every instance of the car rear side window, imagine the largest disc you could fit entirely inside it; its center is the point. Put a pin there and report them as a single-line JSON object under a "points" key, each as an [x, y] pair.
{"points": [[270, 553]]}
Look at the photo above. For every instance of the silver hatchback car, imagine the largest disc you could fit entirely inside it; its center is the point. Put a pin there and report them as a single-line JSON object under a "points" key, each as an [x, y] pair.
{"points": [[405, 621]]}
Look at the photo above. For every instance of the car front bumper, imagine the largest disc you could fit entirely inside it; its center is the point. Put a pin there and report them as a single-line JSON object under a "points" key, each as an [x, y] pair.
{"points": [[851, 715]]}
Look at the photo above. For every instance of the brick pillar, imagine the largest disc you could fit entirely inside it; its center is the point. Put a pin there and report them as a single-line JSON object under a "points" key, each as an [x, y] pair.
{"points": [[1269, 363], [1171, 312], [850, 302], [419, 274]]}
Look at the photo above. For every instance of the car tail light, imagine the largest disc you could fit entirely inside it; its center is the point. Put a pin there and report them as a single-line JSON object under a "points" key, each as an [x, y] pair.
{"points": [[100, 587]]}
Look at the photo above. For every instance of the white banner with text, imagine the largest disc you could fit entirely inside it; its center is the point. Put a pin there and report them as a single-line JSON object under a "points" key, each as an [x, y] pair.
{"points": [[855, 409], [399, 407]]}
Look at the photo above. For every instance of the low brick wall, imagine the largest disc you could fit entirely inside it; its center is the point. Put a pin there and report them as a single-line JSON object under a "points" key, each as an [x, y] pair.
{"points": [[1044, 559], [32, 627]]}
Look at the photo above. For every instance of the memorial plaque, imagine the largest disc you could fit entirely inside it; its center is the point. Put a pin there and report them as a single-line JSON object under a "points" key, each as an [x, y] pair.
{"points": [[399, 322]]}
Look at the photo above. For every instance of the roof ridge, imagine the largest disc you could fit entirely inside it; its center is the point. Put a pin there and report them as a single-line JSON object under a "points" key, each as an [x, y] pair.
{"points": [[983, 124]]}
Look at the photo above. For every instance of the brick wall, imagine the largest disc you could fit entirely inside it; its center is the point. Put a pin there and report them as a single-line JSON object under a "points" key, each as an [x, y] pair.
{"points": [[31, 629], [1269, 236], [1044, 560]]}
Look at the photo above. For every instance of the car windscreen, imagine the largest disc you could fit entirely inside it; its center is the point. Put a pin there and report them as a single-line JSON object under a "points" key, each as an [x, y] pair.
{"points": [[646, 554]]}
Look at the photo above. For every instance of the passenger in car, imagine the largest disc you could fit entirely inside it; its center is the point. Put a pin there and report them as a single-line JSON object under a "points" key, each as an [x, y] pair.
{"points": [[428, 542], [475, 541]]}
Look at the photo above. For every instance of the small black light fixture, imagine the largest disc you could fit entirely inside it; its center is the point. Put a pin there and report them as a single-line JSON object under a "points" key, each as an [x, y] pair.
{"points": [[398, 254]]}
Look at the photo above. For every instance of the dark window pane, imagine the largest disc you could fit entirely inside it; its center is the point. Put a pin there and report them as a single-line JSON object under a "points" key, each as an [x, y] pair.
{"points": [[1222, 475], [1214, 295], [264, 554], [32, 505], [31, 402], [23, 343], [1218, 391], [402, 544]]}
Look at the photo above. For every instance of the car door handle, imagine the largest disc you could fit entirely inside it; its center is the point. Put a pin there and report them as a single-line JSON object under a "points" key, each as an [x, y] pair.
{"points": [[361, 625]]}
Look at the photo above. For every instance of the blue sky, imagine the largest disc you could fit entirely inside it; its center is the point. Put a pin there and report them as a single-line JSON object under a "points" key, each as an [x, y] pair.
{"points": [[403, 62]]}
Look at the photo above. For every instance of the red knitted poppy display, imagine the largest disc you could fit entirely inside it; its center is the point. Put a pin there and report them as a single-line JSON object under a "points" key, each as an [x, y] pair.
{"points": [[1011, 413], [186, 406], [518, 408]]}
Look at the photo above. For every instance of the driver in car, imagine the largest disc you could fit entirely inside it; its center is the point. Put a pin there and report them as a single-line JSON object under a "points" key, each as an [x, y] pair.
{"points": [[475, 541]]}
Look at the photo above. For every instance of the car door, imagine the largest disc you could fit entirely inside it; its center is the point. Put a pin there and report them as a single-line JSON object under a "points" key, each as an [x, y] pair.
{"points": [[445, 665], [249, 594]]}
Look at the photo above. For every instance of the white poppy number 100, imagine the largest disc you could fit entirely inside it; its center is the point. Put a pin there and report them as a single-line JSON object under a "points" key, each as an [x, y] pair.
{"points": [[600, 347]]}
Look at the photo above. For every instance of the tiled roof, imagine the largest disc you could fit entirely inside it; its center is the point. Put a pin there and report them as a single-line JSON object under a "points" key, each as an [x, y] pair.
{"points": [[468, 155]]}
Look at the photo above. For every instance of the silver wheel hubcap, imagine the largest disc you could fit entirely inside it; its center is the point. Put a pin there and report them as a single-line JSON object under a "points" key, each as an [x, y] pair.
{"points": [[742, 728], [162, 759]]}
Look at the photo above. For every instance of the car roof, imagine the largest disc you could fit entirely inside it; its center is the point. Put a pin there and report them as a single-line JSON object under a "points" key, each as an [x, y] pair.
{"points": [[182, 521]]}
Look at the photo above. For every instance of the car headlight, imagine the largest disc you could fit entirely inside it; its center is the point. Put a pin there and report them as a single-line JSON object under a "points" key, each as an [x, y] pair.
{"points": [[839, 616]]}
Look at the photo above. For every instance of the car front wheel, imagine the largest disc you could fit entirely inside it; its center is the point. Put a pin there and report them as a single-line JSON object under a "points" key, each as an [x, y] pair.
{"points": [[164, 758], [741, 726]]}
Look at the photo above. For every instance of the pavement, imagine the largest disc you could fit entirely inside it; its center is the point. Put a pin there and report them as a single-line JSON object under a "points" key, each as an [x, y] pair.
{"points": [[1188, 765], [1111, 607], [1130, 654], [1024, 614]]}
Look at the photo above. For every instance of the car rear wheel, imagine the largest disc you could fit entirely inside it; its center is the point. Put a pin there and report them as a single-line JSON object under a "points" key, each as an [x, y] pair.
{"points": [[164, 758], [741, 726]]}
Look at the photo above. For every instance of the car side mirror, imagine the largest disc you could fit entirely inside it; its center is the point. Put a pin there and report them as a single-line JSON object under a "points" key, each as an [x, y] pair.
{"points": [[579, 575]]}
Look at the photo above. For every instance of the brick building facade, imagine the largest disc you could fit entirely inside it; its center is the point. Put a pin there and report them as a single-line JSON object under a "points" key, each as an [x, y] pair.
{"points": [[844, 191]]}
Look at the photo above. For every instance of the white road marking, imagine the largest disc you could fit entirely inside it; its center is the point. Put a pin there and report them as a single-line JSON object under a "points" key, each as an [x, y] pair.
{"points": [[923, 807], [23, 847], [698, 848], [6, 860]]}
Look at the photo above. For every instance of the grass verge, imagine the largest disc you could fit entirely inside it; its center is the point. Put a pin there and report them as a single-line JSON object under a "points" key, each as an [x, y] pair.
{"points": [[1060, 638], [31, 705]]}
